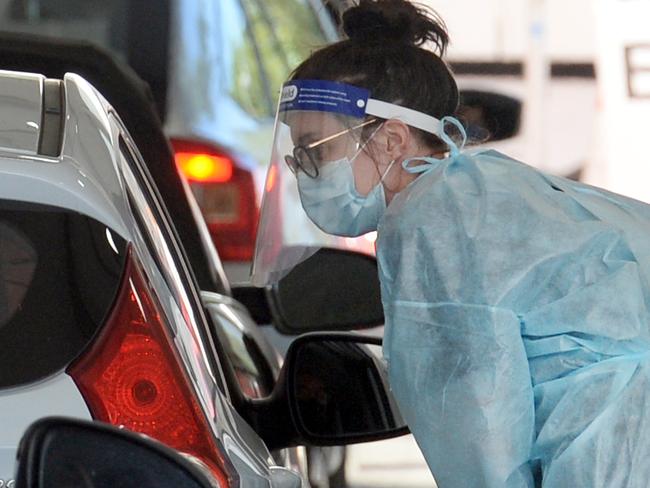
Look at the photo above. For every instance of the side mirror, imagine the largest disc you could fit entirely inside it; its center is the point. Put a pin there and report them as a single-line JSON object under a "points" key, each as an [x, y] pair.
{"points": [[335, 387], [489, 116], [332, 290], [59, 452], [338, 390]]}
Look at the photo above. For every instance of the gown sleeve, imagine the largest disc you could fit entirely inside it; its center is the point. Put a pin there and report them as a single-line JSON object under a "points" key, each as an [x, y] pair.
{"points": [[460, 375], [457, 362]]}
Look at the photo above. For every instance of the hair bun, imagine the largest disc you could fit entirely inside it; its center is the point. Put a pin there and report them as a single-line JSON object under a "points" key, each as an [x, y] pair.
{"points": [[395, 21]]}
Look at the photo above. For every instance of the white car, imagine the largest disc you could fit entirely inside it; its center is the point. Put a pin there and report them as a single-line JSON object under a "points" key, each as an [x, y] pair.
{"points": [[100, 314]]}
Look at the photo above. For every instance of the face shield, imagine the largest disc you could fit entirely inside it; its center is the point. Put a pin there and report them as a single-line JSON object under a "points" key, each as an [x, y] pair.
{"points": [[320, 127]]}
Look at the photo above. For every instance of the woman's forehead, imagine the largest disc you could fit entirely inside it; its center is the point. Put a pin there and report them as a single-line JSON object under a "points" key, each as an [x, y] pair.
{"points": [[313, 120], [308, 127]]}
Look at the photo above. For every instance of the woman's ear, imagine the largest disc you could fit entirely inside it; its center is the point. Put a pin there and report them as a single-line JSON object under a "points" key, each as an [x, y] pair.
{"points": [[398, 137]]}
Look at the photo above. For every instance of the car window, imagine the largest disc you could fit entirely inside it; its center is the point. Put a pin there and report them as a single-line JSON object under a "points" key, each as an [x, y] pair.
{"points": [[279, 35], [59, 274]]}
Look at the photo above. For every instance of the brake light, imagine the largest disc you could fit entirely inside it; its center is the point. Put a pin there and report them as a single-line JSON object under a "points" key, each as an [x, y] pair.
{"points": [[228, 202], [132, 376], [206, 168]]}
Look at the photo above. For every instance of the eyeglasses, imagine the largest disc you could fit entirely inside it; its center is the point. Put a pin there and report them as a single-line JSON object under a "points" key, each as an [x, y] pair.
{"points": [[303, 158]]}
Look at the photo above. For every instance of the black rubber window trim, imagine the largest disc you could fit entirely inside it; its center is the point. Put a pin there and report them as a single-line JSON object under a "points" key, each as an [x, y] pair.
{"points": [[52, 118]]}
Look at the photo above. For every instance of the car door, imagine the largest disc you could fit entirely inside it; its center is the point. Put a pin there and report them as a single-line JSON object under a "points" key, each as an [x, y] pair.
{"points": [[245, 450]]}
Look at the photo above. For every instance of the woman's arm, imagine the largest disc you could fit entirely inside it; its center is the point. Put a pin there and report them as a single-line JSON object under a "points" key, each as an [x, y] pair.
{"points": [[461, 377]]}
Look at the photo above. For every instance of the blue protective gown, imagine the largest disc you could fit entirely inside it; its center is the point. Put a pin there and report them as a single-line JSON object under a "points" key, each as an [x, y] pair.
{"points": [[517, 326]]}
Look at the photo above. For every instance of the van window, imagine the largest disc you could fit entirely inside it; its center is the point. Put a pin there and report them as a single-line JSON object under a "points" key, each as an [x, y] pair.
{"points": [[280, 34], [96, 21], [115, 25]]}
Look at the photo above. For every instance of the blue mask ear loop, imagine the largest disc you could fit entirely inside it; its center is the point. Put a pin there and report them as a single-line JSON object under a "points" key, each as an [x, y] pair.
{"points": [[454, 150]]}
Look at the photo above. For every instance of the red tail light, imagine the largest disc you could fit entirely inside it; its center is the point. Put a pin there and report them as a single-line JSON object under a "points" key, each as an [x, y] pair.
{"points": [[225, 191], [132, 376], [205, 168]]}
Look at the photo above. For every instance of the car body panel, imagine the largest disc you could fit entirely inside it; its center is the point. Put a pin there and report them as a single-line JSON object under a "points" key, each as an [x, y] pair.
{"points": [[20, 407]]}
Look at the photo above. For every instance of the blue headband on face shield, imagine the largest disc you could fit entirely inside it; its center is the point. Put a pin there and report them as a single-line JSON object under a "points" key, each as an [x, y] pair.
{"points": [[349, 100], [428, 161]]}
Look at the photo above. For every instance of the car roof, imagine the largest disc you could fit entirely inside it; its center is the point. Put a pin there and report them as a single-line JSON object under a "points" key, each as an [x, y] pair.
{"points": [[131, 98], [83, 177]]}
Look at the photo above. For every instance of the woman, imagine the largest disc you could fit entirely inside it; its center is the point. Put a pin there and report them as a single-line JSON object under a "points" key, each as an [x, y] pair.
{"points": [[516, 303]]}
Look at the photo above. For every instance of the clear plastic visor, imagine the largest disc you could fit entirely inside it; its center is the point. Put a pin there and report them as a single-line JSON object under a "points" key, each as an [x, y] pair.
{"points": [[304, 142]]}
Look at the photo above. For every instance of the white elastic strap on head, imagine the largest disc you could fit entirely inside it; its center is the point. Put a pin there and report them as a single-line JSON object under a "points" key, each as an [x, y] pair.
{"points": [[411, 117], [383, 177]]}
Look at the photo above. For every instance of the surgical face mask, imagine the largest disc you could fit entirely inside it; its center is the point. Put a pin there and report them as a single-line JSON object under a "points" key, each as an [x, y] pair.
{"points": [[333, 203]]}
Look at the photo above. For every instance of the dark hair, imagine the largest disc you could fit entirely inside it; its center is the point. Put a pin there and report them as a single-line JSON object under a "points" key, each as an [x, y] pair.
{"points": [[383, 54]]}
